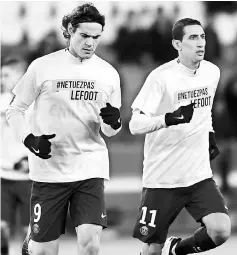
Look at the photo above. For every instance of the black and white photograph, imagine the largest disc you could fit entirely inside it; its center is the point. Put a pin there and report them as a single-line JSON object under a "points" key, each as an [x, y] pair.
{"points": [[118, 127]]}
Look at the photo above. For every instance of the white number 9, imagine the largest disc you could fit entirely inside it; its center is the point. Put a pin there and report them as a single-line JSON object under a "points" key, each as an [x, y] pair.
{"points": [[37, 212]]}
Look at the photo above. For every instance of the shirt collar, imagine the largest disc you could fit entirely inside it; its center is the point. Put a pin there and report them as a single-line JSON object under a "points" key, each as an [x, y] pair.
{"points": [[184, 69], [75, 59]]}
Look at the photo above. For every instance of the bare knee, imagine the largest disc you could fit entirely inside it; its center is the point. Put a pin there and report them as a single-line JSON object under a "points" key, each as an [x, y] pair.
{"points": [[92, 239], [92, 249], [155, 249], [219, 234], [88, 247], [46, 248], [90, 244], [88, 238], [219, 231]]}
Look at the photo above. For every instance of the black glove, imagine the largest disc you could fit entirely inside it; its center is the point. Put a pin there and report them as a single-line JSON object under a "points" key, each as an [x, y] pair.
{"points": [[183, 114], [111, 116], [22, 165], [213, 149], [39, 145]]}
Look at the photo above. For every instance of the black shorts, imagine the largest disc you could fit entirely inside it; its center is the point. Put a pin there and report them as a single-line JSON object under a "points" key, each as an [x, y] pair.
{"points": [[50, 203], [15, 194], [159, 208]]}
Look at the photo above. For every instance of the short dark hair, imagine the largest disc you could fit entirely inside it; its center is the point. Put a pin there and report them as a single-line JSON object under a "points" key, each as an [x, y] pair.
{"points": [[178, 28], [81, 14]]}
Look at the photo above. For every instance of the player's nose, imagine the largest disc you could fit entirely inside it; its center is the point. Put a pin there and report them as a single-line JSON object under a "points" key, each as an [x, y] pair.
{"points": [[201, 43], [89, 41]]}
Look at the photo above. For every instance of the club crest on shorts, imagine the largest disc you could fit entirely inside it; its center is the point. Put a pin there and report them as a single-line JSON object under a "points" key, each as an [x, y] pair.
{"points": [[36, 228], [144, 230]]}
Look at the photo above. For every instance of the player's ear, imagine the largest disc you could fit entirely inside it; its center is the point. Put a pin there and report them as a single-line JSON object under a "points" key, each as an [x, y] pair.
{"points": [[176, 44], [70, 28]]}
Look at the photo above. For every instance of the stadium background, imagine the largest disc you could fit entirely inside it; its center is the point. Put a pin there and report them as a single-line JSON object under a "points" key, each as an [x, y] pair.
{"points": [[136, 39]]}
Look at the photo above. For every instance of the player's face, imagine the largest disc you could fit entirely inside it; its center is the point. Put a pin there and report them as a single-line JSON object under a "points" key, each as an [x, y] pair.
{"points": [[193, 44], [9, 77], [85, 39]]}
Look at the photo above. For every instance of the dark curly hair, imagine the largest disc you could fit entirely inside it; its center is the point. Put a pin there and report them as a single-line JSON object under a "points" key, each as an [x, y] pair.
{"points": [[178, 28], [81, 14]]}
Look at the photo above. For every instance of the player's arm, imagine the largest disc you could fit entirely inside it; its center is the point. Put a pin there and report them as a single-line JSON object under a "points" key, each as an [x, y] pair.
{"points": [[110, 114], [25, 93], [145, 105], [213, 149], [144, 119], [141, 123], [15, 115]]}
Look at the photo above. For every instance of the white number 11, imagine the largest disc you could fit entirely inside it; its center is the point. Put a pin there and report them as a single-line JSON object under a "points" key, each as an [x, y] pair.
{"points": [[153, 217]]}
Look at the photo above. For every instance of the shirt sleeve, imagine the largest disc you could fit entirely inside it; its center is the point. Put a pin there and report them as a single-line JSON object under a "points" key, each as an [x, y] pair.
{"points": [[115, 101], [27, 88], [143, 124], [150, 95], [108, 130], [210, 123], [15, 115], [25, 92], [115, 97]]}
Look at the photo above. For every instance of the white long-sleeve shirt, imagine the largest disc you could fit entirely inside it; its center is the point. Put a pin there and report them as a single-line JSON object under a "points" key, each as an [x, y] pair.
{"points": [[11, 150], [67, 95], [175, 156]]}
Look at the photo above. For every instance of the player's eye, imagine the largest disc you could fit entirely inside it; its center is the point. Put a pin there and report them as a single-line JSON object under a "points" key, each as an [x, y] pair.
{"points": [[84, 36]]}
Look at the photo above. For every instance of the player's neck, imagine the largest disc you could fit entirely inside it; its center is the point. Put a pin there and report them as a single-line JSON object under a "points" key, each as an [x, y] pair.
{"points": [[70, 50], [189, 64]]}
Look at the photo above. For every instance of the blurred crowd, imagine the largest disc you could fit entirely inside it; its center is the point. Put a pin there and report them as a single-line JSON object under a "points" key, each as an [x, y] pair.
{"points": [[137, 38]]}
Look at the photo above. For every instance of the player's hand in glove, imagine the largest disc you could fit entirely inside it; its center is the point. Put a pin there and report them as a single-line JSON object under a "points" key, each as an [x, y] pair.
{"points": [[39, 145], [111, 116], [183, 114], [213, 149]]}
